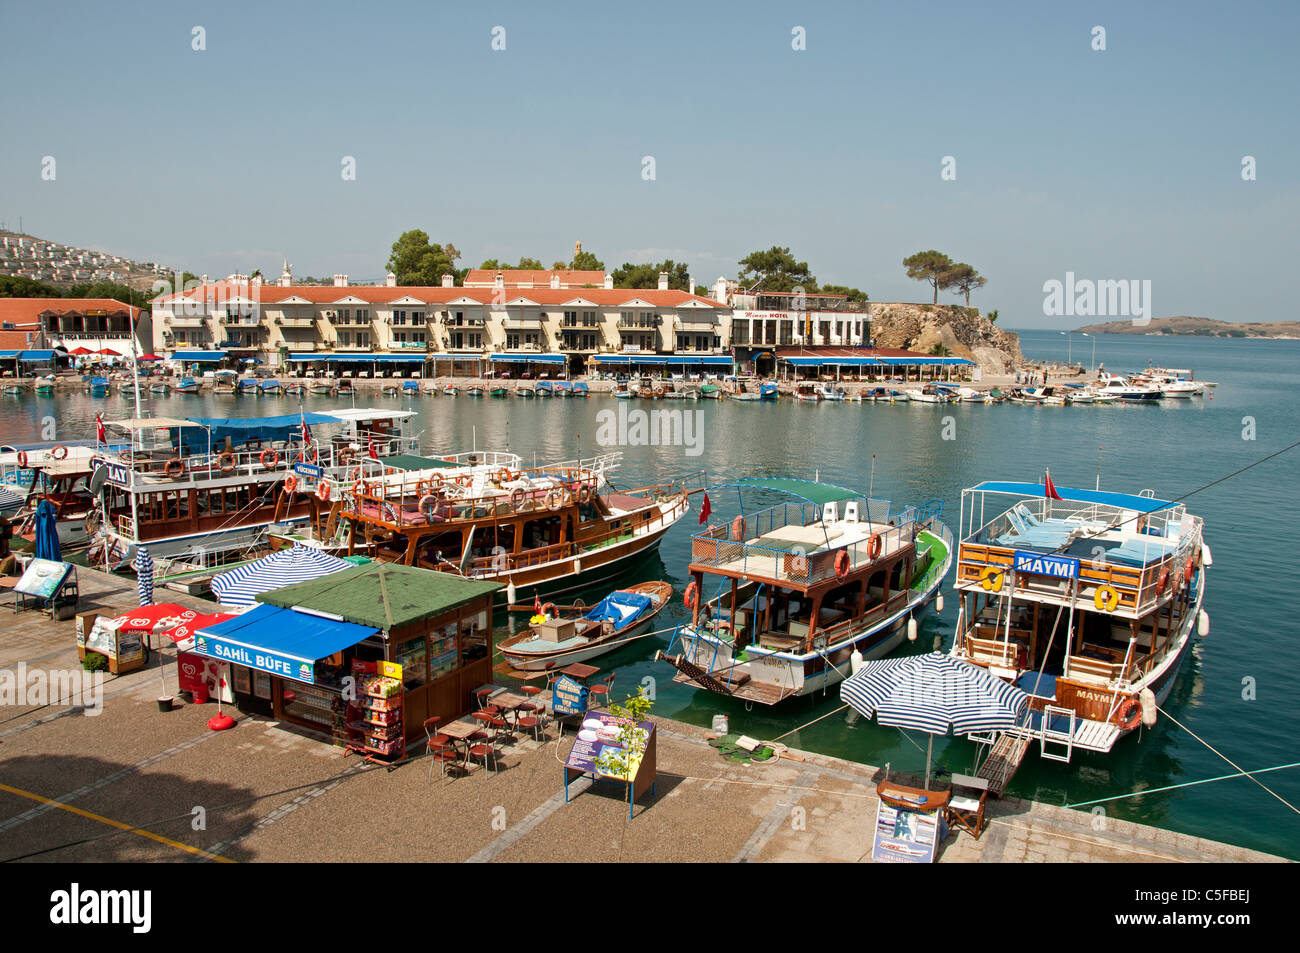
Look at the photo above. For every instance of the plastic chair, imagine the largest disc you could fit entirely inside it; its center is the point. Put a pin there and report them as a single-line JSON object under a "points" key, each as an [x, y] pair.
{"points": [[482, 745]]}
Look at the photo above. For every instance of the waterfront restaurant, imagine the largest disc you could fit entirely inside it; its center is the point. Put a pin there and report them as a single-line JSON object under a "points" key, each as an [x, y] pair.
{"points": [[811, 363], [290, 655]]}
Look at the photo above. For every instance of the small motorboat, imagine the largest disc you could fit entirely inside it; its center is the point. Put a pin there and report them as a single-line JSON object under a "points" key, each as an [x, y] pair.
{"points": [[544, 389], [187, 385], [44, 385], [525, 389], [295, 389], [389, 390], [451, 390], [160, 387], [575, 633], [475, 390], [322, 387], [410, 388], [580, 389], [710, 391], [345, 387], [768, 391], [270, 388]]}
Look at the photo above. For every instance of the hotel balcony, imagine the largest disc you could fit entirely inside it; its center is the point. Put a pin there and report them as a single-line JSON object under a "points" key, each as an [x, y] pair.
{"points": [[187, 320], [296, 320]]}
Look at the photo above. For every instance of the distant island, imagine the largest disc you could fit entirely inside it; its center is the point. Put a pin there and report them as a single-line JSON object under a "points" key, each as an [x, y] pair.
{"points": [[1199, 327]]}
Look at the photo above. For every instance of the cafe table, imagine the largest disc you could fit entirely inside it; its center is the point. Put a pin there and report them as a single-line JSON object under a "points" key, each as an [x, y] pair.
{"points": [[460, 732]]}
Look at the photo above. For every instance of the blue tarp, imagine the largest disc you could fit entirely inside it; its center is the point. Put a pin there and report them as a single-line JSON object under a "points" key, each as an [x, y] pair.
{"points": [[620, 607], [210, 357], [241, 429], [1127, 501], [36, 356], [273, 634]]}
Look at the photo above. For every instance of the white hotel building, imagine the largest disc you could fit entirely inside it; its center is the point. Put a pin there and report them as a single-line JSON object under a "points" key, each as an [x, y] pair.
{"points": [[540, 321]]}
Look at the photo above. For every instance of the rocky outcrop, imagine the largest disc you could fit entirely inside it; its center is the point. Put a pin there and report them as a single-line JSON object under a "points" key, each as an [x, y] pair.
{"points": [[963, 331]]}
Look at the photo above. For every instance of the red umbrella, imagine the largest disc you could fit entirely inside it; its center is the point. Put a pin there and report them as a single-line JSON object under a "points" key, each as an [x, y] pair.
{"points": [[187, 628], [147, 618], [82, 351], [108, 350], [148, 357]]}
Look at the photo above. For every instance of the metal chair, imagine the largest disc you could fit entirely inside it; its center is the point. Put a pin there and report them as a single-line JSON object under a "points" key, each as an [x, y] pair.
{"points": [[439, 746], [599, 693]]}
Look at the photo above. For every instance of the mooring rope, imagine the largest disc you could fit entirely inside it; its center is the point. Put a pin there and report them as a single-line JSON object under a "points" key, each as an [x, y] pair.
{"points": [[1185, 784]]}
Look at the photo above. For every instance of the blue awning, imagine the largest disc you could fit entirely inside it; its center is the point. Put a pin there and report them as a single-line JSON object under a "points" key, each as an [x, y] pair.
{"points": [[367, 358], [309, 357], [1127, 501], [9, 355], [284, 642], [36, 356], [831, 361], [673, 359], [242, 429], [198, 356], [529, 358]]}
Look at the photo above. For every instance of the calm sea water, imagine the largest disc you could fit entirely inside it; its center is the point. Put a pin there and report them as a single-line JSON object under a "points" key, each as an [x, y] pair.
{"points": [[1238, 688]]}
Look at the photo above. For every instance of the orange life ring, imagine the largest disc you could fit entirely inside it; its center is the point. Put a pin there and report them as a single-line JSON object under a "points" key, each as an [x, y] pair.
{"points": [[179, 468], [548, 608], [345, 456], [426, 510], [323, 491], [584, 494], [290, 485], [22, 459], [436, 481], [842, 563], [738, 529], [358, 488], [60, 452], [226, 461], [875, 545], [692, 596], [421, 489], [274, 455], [1129, 714], [315, 454], [1162, 582]]}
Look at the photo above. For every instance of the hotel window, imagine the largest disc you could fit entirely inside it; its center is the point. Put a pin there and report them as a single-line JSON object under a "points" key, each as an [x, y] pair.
{"points": [[589, 319], [399, 317], [570, 319], [363, 339], [512, 342], [740, 332], [363, 316], [344, 316], [417, 318], [345, 339]]}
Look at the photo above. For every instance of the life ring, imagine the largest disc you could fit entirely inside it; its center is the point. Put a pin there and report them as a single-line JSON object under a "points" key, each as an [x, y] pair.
{"points": [[517, 497], [175, 468], [1106, 598], [315, 455], [345, 456], [842, 563], [464, 480], [226, 461], [290, 485], [1129, 715], [435, 481], [548, 608], [991, 578], [692, 596], [553, 500], [272, 453], [501, 476], [358, 488], [584, 494], [877, 544], [428, 506], [355, 475], [421, 489], [22, 459], [323, 491], [60, 452], [1162, 582], [738, 529]]}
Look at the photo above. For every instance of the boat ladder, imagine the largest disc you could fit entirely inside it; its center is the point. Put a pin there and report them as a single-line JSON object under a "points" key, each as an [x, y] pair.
{"points": [[1005, 757], [1049, 734]]}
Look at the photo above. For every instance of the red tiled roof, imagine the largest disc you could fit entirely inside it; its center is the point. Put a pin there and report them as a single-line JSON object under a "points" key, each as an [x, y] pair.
{"points": [[436, 295], [542, 278], [28, 310]]}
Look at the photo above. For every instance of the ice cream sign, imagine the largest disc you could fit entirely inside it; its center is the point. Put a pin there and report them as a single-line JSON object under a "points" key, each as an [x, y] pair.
{"points": [[265, 661]]}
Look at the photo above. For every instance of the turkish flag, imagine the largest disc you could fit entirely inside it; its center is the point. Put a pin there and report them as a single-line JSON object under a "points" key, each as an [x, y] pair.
{"points": [[370, 448], [100, 436], [1049, 490], [537, 604], [705, 509]]}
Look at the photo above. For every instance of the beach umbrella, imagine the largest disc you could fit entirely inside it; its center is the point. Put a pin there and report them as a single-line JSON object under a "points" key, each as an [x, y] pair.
{"points": [[144, 575], [109, 351], [240, 586], [934, 693], [148, 357], [158, 616], [47, 533], [82, 351]]}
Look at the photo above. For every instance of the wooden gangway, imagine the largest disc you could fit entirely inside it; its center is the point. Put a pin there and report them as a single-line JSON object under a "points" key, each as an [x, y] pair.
{"points": [[1004, 760]]}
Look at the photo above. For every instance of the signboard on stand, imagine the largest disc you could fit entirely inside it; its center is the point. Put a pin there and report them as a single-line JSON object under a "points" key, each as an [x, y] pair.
{"points": [[569, 696], [599, 751], [905, 837]]}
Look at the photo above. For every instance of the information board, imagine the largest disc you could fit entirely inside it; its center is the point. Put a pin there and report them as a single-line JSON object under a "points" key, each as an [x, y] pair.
{"points": [[43, 578], [905, 837], [569, 696]]}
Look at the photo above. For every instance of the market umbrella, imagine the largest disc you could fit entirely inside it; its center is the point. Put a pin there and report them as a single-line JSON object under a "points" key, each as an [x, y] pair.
{"points": [[109, 351], [148, 357], [184, 631], [144, 575], [82, 351], [240, 586], [934, 693], [160, 615], [47, 533]]}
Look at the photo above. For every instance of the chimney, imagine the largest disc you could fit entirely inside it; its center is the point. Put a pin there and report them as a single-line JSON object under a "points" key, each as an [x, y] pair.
{"points": [[609, 281], [690, 284], [390, 280], [663, 281], [499, 281], [555, 279], [203, 279], [449, 281], [340, 281], [720, 290]]}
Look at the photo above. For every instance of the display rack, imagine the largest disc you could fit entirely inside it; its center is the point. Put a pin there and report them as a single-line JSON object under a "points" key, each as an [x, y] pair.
{"points": [[372, 725]]}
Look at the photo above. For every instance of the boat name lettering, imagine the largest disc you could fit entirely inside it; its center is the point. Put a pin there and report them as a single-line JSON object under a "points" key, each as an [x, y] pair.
{"points": [[1061, 567]]}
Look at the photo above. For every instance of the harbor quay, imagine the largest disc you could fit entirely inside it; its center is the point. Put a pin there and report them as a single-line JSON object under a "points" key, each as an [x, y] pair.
{"points": [[138, 784]]}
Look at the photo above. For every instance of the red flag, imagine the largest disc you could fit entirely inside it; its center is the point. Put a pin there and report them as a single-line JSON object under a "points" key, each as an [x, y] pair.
{"points": [[705, 509], [537, 604], [370, 448], [1049, 490], [100, 436], [306, 433]]}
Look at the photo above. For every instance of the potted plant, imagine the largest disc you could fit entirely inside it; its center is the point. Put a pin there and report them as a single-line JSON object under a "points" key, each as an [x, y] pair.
{"points": [[94, 662]]}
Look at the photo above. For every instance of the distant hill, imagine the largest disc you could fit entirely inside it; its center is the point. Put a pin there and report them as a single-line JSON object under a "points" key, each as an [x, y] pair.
{"points": [[62, 266], [1200, 327]]}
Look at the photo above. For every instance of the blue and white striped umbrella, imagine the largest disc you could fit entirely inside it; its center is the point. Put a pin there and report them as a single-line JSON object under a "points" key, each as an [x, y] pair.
{"points": [[144, 576], [934, 693], [240, 586]]}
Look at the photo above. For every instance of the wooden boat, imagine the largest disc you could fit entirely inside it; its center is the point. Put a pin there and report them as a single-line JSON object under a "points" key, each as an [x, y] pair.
{"points": [[807, 391], [499, 391], [577, 633], [525, 389], [294, 389], [710, 391], [832, 392], [14, 388], [345, 388], [433, 390], [884, 395], [389, 390], [322, 387], [563, 389], [225, 382], [99, 387], [1087, 601], [768, 390], [544, 389], [160, 387], [623, 390], [187, 385], [410, 388], [804, 589], [475, 390], [451, 390], [271, 388], [580, 389], [246, 385], [44, 386]]}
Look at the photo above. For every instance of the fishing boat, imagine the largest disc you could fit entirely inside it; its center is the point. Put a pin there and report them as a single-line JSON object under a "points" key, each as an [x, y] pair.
{"points": [[807, 391], [225, 382], [1023, 395], [736, 389], [269, 388], [768, 390], [44, 386], [525, 389], [648, 389], [294, 389], [710, 391], [623, 390], [563, 389], [99, 387], [544, 389], [59, 474], [884, 395], [451, 390], [579, 389], [1085, 599], [804, 588], [475, 390], [187, 385], [832, 392], [499, 391], [160, 387], [410, 388], [484, 515], [322, 386], [577, 634], [930, 394], [389, 390], [14, 388], [247, 385], [345, 388]]}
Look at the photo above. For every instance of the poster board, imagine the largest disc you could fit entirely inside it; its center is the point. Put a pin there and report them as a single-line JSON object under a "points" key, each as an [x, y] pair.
{"points": [[568, 697], [43, 578], [586, 750], [906, 837]]}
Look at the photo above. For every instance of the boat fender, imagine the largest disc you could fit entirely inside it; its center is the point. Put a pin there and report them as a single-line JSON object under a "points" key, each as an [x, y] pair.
{"points": [[1106, 598], [323, 491], [428, 506], [269, 457], [1147, 699], [290, 485], [577, 566], [175, 468], [911, 630], [691, 598], [1206, 558], [59, 453], [510, 591], [855, 662], [938, 602], [877, 544], [738, 529], [226, 461], [1188, 572], [1129, 714], [842, 563]]}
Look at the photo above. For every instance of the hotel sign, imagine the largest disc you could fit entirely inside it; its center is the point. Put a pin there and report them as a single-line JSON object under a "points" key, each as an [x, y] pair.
{"points": [[1059, 567]]}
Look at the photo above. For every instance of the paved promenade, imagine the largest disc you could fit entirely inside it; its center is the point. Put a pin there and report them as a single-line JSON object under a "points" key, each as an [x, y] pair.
{"points": [[139, 785]]}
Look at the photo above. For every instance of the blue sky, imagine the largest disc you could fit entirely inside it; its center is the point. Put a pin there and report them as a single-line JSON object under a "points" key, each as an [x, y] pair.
{"points": [[1117, 164]]}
